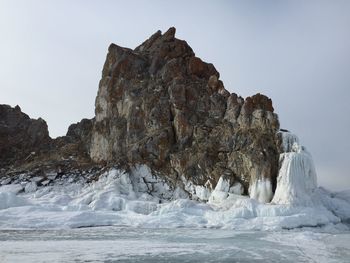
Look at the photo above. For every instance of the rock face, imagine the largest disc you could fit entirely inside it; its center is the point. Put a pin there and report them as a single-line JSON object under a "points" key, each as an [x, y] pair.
{"points": [[81, 133], [25, 144], [20, 136], [162, 106]]}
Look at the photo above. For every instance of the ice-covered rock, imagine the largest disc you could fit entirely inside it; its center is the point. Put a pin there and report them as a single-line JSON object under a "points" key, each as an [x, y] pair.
{"points": [[288, 140], [46, 182], [6, 181], [30, 187], [296, 180], [11, 188]]}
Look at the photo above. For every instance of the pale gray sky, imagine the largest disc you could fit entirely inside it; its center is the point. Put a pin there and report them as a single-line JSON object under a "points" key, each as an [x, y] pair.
{"points": [[296, 52]]}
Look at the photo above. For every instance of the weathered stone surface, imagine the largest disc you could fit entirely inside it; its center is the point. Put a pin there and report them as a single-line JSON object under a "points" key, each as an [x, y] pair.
{"points": [[25, 145], [20, 136], [81, 133], [162, 106]]}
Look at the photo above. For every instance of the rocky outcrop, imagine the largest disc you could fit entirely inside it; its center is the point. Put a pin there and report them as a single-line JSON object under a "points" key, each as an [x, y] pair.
{"points": [[162, 106], [20, 136], [25, 145]]}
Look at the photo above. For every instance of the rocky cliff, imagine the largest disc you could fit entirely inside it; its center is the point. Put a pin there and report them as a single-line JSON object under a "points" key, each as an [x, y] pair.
{"points": [[162, 106]]}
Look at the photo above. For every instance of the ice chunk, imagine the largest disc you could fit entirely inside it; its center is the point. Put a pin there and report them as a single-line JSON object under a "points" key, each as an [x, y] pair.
{"points": [[46, 182], [261, 190], [202, 192], [218, 196], [223, 185], [223, 190], [197, 191], [37, 179], [30, 187]]}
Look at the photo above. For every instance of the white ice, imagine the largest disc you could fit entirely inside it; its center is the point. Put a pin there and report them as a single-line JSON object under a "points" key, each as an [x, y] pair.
{"points": [[296, 180], [261, 190], [122, 244], [113, 201]]}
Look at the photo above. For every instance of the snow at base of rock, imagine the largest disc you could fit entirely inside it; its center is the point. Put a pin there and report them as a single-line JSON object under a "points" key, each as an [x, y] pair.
{"points": [[140, 198], [112, 200]]}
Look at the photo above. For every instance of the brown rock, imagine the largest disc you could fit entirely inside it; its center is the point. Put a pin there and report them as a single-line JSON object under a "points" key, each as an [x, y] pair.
{"points": [[20, 136], [182, 123]]}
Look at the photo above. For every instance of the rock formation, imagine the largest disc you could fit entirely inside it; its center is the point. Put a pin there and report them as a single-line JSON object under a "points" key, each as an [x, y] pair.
{"points": [[25, 144], [20, 136], [162, 106]]}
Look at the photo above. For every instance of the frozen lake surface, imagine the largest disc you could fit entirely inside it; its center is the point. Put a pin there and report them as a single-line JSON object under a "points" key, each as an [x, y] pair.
{"points": [[128, 244]]}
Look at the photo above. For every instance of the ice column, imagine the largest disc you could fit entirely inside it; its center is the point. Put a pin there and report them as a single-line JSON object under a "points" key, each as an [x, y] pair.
{"points": [[297, 176]]}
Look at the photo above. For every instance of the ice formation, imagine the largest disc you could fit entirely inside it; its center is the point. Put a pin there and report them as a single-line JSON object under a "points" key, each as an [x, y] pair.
{"points": [[296, 180], [140, 198], [261, 190]]}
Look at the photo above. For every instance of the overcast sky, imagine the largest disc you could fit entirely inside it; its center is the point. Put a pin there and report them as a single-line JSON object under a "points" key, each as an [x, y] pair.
{"points": [[296, 52]]}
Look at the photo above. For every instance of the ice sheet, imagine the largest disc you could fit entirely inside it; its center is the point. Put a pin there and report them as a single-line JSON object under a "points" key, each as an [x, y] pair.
{"points": [[115, 244]]}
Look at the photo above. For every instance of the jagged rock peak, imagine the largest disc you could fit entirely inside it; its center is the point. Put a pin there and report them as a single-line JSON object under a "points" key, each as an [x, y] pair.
{"points": [[157, 41], [162, 106]]}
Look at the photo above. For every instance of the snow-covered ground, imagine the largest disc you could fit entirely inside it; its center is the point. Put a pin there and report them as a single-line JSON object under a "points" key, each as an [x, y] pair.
{"points": [[114, 244]]}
